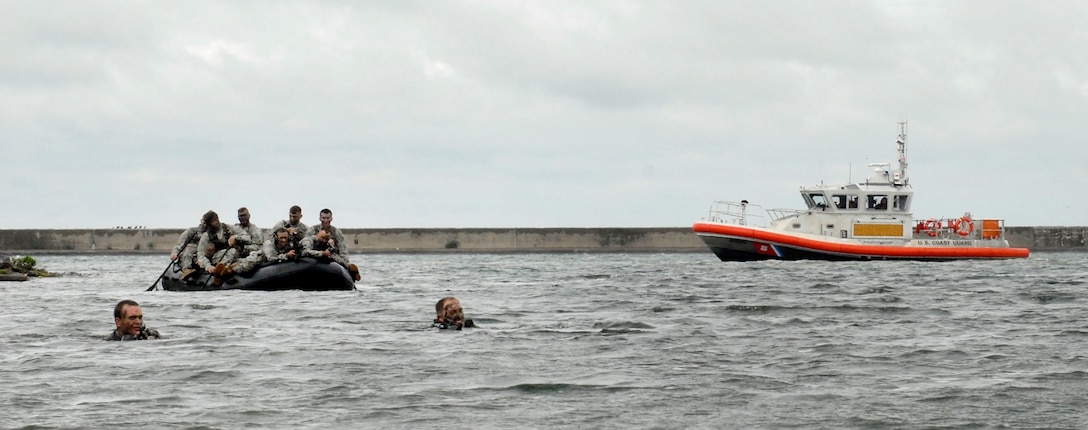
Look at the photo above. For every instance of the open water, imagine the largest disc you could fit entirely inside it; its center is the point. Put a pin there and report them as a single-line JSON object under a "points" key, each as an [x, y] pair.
{"points": [[604, 341]]}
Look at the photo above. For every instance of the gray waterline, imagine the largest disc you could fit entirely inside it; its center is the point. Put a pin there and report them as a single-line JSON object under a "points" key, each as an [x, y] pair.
{"points": [[565, 341]]}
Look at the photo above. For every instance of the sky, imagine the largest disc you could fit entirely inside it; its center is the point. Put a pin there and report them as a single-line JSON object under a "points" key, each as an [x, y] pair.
{"points": [[506, 114]]}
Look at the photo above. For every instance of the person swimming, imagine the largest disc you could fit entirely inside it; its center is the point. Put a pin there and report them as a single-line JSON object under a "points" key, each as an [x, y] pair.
{"points": [[129, 319], [450, 315]]}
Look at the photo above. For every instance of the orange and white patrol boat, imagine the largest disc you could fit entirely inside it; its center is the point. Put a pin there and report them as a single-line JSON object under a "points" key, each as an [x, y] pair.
{"points": [[868, 220]]}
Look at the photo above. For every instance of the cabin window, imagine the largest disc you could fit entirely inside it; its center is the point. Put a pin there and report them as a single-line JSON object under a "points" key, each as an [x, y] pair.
{"points": [[818, 200], [839, 200], [852, 202], [877, 202], [900, 203]]}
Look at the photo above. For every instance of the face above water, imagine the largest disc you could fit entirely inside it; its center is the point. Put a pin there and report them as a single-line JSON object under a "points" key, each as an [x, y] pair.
{"points": [[454, 312], [132, 318]]}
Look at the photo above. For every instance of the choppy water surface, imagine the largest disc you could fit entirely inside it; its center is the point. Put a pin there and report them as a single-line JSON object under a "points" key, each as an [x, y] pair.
{"points": [[564, 341]]}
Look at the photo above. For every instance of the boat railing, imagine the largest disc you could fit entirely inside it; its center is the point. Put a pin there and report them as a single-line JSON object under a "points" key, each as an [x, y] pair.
{"points": [[744, 213], [960, 228], [738, 213], [781, 213]]}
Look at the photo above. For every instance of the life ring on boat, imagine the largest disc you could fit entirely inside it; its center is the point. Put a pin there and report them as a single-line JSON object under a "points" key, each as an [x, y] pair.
{"points": [[964, 226], [932, 226]]}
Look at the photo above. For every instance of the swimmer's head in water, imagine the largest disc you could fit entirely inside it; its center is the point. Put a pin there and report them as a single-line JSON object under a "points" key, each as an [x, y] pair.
{"points": [[454, 313], [449, 309]]}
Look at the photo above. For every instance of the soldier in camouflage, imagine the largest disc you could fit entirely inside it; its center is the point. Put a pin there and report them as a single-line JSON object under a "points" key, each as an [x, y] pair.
{"points": [[220, 244], [186, 248], [130, 323], [249, 256], [256, 236], [326, 241], [293, 225], [280, 247]]}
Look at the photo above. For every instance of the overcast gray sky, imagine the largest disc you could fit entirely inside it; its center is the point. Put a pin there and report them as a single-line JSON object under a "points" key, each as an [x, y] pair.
{"points": [[532, 114]]}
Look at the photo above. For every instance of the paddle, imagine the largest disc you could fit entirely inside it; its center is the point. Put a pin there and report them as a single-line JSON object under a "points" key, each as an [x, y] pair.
{"points": [[153, 284], [182, 249]]}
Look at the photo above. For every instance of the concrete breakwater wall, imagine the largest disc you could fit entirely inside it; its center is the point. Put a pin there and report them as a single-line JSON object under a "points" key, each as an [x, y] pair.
{"points": [[407, 240], [387, 240]]}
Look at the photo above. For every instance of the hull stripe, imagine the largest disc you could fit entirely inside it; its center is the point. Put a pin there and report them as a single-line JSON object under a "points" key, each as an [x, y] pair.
{"points": [[851, 249]]}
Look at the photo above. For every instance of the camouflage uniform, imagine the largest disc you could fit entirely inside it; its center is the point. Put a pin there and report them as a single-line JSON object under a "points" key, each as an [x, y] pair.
{"points": [[256, 238], [224, 253], [187, 245], [272, 252], [300, 230], [311, 247], [250, 256], [145, 334]]}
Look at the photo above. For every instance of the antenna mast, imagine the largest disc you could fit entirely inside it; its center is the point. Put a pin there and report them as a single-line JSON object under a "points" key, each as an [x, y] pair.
{"points": [[902, 141]]}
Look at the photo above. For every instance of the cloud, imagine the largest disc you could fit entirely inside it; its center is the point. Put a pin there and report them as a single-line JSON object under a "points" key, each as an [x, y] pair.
{"points": [[438, 69], [214, 52], [534, 114]]}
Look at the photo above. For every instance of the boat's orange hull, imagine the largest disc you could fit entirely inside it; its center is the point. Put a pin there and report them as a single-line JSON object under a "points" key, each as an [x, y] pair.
{"points": [[738, 242]]}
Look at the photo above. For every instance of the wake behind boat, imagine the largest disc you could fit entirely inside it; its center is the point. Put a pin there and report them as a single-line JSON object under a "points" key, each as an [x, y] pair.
{"points": [[869, 220], [307, 274]]}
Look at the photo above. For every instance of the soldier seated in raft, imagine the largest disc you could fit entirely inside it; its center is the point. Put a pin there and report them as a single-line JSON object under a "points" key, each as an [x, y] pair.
{"points": [[280, 247], [326, 241], [295, 228], [220, 243], [130, 323], [185, 249], [449, 315]]}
